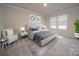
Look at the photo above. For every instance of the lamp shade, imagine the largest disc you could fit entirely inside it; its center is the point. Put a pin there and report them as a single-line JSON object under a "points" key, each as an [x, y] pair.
{"points": [[44, 26], [22, 29]]}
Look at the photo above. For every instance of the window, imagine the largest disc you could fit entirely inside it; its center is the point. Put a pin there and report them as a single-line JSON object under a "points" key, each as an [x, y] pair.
{"points": [[59, 22], [62, 22], [53, 22]]}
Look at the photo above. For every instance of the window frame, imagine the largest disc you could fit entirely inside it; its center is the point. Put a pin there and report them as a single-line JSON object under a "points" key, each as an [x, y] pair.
{"points": [[66, 21], [57, 22]]}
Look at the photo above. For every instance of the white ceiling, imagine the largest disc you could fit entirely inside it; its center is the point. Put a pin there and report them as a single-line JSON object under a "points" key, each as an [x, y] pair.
{"points": [[49, 9]]}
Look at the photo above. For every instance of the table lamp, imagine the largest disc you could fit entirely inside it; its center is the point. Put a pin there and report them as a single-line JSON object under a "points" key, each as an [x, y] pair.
{"points": [[22, 29]]}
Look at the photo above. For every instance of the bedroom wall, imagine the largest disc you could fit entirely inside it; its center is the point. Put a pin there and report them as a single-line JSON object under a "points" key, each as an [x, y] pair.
{"points": [[16, 17], [1, 17], [73, 14]]}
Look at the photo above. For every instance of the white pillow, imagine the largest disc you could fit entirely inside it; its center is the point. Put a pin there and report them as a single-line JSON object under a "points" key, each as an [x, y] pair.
{"points": [[39, 29]]}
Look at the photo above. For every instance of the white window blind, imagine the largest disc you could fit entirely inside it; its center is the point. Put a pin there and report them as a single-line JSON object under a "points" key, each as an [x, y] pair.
{"points": [[62, 22], [53, 22]]}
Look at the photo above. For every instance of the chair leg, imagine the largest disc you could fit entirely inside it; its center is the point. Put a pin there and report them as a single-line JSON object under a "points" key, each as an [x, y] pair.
{"points": [[8, 44], [2, 46]]}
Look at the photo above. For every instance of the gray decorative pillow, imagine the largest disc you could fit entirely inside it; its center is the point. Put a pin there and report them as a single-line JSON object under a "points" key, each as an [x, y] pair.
{"points": [[33, 29]]}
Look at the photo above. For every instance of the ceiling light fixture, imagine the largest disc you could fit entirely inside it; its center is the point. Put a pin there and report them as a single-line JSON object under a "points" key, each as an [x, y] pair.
{"points": [[45, 4]]}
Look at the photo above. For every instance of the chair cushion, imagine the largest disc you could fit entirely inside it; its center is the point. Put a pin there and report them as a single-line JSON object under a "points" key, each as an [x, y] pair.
{"points": [[12, 38]]}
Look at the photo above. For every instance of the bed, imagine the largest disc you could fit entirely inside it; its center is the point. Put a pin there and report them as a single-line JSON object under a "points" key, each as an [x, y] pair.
{"points": [[42, 37]]}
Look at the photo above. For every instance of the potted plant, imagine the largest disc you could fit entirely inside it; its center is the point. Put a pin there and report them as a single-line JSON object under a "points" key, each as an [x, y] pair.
{"points": [[76, 24]]}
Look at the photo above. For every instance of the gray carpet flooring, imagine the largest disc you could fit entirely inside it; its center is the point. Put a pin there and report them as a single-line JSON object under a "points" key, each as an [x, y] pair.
{"points": [[61, 46]]}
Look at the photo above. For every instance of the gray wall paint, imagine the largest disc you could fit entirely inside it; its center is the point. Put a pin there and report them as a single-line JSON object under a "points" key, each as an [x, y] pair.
{"points": [[1, 17], [16, 17], [73, 14]]}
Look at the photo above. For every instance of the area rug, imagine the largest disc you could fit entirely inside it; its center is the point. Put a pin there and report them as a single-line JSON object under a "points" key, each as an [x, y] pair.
{"points": [[38, 50], [58, 47]]}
